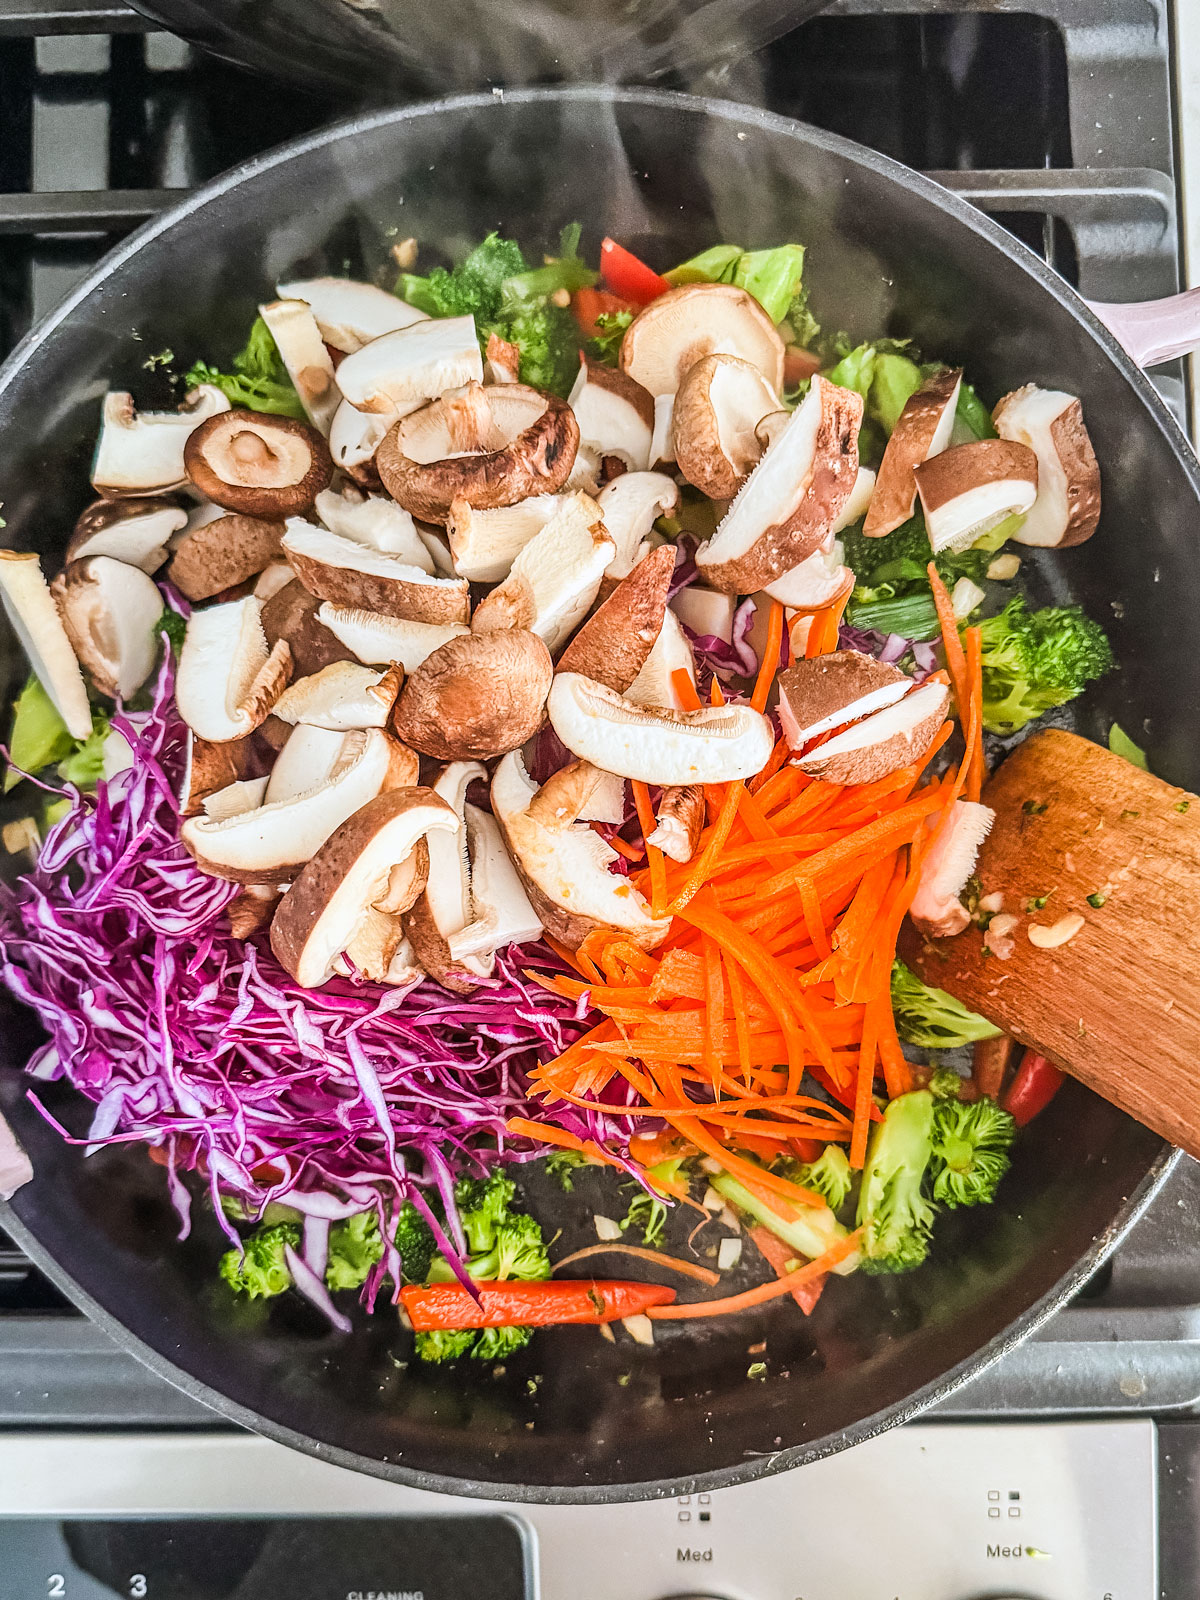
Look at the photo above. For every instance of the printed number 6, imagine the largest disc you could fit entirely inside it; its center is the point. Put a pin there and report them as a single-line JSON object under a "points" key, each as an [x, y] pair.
{"points": [[137, 1586], [56, 1586]]}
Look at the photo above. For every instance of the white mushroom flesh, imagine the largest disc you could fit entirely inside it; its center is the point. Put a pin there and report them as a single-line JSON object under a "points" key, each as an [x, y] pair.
{"points": [[224, 670], [606, 803], [555, 578], [655, 683], [859, 499], [484, 544], [448, 892], [354, 436], [415, 363], [1028, 417], [342, 696], [138, 541], [376, 522], [308, 759], [111, 612], [500, 910], [377, 640], [609, 423], [662, 438], [815, 583], [142, 452], [630, 506], [232, 801], [302, 350], [945, 868], [356, 567], [34, 618], [348, 313], [906, 713]]}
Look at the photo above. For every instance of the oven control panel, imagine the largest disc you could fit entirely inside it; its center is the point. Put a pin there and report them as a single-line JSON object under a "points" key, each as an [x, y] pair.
{"points": [[954, 1511]]}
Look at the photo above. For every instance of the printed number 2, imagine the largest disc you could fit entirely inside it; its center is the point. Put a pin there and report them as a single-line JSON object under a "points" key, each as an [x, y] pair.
{"points": [[56, 1586], [137, 1586]]}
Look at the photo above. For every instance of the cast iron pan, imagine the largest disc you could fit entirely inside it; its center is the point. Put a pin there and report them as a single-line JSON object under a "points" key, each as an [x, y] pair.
{"points": [[888, 252]]}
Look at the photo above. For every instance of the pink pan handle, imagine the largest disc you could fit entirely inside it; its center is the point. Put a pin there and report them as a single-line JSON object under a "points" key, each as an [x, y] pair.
{"points": [[1154, 330]]}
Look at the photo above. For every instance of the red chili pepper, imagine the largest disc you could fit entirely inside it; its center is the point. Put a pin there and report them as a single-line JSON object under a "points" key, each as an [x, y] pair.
{"points": [[626, 275], [798, 365], [589, 305], [1035, 1085], [434, 1306]]}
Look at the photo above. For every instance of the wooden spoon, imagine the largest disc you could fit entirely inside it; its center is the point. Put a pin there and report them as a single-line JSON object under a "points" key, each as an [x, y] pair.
{"points": [[1100, 864]]}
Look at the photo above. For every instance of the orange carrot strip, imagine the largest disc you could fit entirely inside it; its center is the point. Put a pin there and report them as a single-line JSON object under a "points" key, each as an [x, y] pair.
{"points": [[741, 1020], [776, 759], [716, 695], [769, 665], [702, 869], [546, 1133], [976, 771], [956, 661], [714, 1014], [749, 1298], [862, 1093], [685, 689], [621, 846], [654, 856]]}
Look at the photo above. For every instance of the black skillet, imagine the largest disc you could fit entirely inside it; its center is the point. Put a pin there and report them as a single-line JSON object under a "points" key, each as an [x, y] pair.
{"points": [[575, 1418]]}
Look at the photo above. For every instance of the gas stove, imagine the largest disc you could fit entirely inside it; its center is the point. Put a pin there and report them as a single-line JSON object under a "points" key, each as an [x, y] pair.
{"points": [[1068, 1471]]}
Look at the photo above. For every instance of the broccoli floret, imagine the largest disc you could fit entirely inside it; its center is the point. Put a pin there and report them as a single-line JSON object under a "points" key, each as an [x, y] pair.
{"points": [[260, 1271], [561, 1164], [473, 287], [482, 1206], [1036, 660], [931, 1017], [647, 1212], [445, 1344], [830, 1175], [605, 343], [174, 626], [810, 1230], [415, 1243], [355, 1246], [494, 1344], [259, 380], [518, 1251], [548, 338], [893, 1213], [970, 1151]]}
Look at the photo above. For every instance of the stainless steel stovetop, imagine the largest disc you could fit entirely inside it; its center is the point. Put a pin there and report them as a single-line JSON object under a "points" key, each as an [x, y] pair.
{"points": [[1057, 116]]}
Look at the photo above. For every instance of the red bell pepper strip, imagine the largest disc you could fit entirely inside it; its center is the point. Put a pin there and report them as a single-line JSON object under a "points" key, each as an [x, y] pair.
{"points": [[782, 1259], [589, 305], [626, 275], [1035, 1085], [435, 1306]]}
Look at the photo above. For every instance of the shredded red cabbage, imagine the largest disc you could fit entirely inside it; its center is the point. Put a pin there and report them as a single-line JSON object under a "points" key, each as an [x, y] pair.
{"points": [[725, 659], [890, 648], [330, 1101]]}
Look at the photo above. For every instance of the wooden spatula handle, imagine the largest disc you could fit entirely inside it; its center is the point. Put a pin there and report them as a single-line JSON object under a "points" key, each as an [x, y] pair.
{"points": [[1080, 833]]}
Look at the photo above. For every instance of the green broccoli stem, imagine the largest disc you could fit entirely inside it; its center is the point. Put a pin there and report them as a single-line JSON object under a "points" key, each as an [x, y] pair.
{"points": [[810, 1230], [892, 1211], [913, 616]]}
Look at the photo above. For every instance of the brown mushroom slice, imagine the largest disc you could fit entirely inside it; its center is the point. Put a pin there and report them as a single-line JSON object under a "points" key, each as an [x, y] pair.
{"points": [[556, 577], [832, 690], [378, 937], [208, 768], [142, 452], [713, 745], [34, 619], [308, 759], [326, 905], [342, 696], [615, 414], [348, 313], [377, 640], [414, 363], [817, 582], [276, 575], [111, 613], [355, 436], [375, 521], [352, 575], [564, 864], [881, 743], [528, 449], [221, 553], [484, 544], [244, 794], [923, 430], [679, 822], [134, 531], [272, 842], [264, 466], [720, 404], [1050, 423], [444, 908], [227, 680], [936, 910], [476, 696], [308, 363], [291, 614], [684, 325], [250, 912], [630, 506], [614, 643], [655, 683], [857, 502], [788, 505], [501, 912], [970, 489]]}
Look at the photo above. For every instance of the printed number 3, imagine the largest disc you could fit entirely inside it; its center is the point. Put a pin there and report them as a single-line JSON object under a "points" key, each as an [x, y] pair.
{"points": [[137, 1586], [56, 1586]]}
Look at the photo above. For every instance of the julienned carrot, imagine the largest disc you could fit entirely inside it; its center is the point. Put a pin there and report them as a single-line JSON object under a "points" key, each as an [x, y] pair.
{"points": [[769, 665], [432, 1307], [976, 771], [782, 1259], [685, 689], [956, 661], [698, 875], [654, 856], [546, 1133], [758, 1296]]}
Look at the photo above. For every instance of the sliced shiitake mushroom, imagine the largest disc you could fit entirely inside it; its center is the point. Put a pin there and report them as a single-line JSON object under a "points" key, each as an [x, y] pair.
{"points": [[923, 430], [788, 505], [110, 611], [556, 577], [476, 696], [219, 554], [1050, 423], [444, 907], [529, 448], [228, 680], [970, 489], [484, 544], [264, 466], [879, 744], [353, 575], [136, 531], [305, 358], [209, 768], [412, 364], [615, 414], [830, 691], [501, 912], [34, 618], [377, 640], [308, 759], [713, 745], [276, 575], [684, 325], [352, 871], [613, 645], [291, 614], [375, 521], [350, 314], [354, 437], [140, 453], [679, 822], [502, 361], [342, 696], [655, 684], [720, 404], [937, 911], [630, 505]]}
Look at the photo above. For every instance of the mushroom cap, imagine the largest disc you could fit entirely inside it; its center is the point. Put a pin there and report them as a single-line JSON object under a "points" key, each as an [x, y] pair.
{"points": [[227, 680], [307, 361], [412, 364], [720, 404], [945, 867], [136, 531], [265, 466], [502, 361], [883, 742], [476, 696], [831, 690], [613, 645], [484, 544], [378, 640], [353, 575], [219, 554], [209, 768], [681, 327], [142, 453], [971, 488], [111, 612], [321, 912], [788, 505], [630, 505], [556, 577], [291, 614], [272, 842], [1050, 422], [529, 449], [713, 745], [615, 414], [679, 822], [341, 696], [348, 313], [922, 430], [565, 866], [671, 653], [375, 521], [34, 619]]}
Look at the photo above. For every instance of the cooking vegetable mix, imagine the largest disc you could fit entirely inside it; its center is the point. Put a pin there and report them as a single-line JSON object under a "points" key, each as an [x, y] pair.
{"points": [[511, 714]]}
